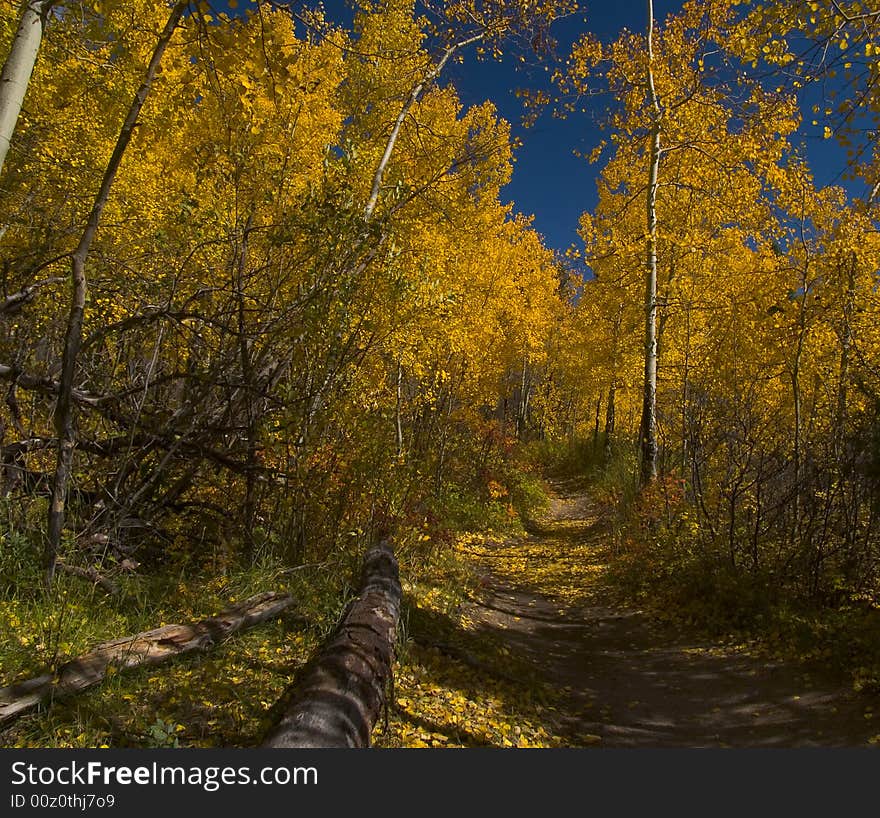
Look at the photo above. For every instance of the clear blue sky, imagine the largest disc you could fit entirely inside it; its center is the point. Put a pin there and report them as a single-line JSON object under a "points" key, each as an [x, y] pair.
{"points": [[549, 181]]}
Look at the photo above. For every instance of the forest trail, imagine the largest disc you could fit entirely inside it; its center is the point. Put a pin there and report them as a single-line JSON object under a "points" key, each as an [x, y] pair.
{"points": [[630, 681]]}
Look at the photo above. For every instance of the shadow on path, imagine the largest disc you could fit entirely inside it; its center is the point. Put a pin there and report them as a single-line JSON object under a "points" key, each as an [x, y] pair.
{"points": [[631, 682]]}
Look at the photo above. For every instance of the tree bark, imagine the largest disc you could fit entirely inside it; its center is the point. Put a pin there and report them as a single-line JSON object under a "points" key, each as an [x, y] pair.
{"points": [[339, 694], [89, 574], [250, 391], [610, 420], [19, 66], [685, 386], [148, 648], [611, 408], [64, 414], [798, 408], [840, 420], [398, 408], [648, 425], [523, 402]]}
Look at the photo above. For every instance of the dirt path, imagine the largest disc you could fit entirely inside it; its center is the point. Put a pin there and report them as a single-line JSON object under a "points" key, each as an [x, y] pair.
{"points": [[631, 682]]}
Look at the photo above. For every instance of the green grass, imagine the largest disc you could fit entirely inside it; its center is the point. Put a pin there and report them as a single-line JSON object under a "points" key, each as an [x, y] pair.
{"points": [[220, 698]]}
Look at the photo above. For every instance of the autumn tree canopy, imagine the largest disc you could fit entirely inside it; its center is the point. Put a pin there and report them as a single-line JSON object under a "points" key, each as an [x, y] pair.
{"points": [[264, 295]]}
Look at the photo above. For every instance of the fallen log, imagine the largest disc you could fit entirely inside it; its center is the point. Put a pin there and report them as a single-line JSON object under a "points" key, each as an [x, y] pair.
{"points": [[338, 696], [147, 648]]}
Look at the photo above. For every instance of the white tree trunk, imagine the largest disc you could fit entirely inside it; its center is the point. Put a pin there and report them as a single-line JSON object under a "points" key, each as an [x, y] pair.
{"points": [[649, 404], [429, 77], [18, 68]]}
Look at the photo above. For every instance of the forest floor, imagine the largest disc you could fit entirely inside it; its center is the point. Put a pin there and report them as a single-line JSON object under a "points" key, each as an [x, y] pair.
{"points": [[515, 639], [622, 677]]}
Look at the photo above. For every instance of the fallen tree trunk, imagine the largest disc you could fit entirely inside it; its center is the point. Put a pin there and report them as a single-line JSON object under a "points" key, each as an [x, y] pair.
{"points": [[338, 696], [148, 648]]}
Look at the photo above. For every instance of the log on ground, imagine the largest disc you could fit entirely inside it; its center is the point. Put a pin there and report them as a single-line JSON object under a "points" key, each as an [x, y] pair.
{"points": [[147, 648], [338, 696]]}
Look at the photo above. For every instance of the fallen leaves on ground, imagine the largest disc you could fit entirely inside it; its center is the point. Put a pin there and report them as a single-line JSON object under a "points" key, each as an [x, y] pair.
{"points": [[472, 690]]}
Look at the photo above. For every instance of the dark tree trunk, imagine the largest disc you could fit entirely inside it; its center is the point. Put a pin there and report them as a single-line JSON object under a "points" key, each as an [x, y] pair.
{"points": [[64, 408], [339, 694], [610, 421]]}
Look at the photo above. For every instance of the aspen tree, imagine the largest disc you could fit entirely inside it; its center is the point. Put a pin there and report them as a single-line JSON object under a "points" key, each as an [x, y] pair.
{"points": [[19, 66], [64, 408], [648, 426]]}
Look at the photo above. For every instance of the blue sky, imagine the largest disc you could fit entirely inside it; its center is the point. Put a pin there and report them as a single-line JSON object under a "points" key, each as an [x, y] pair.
{"points": [[549, 181]]}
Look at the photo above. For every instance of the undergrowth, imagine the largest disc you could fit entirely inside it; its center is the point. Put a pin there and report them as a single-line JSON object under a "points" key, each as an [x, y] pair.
{"points": [[663, 559], [219, 698], [225, 697], [456, 685]]}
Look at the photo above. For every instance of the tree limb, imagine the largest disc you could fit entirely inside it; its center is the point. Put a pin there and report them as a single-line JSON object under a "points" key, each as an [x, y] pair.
{"points": [[147, 648]]}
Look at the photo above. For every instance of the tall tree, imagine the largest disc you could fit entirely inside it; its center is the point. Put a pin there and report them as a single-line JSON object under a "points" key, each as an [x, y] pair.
{"points": [[648, 426], [682, 111], [64, 408]]}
